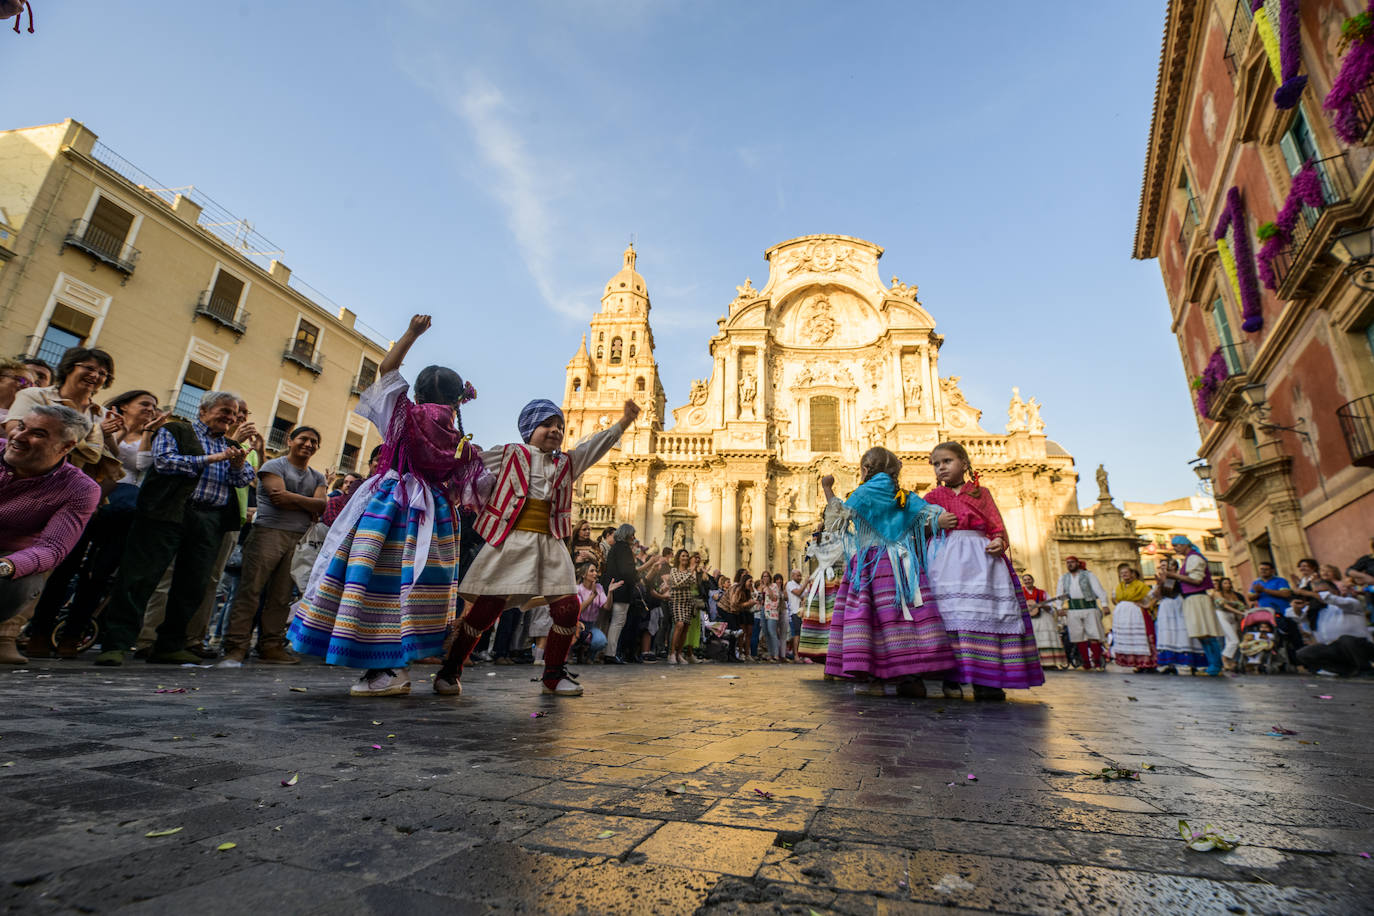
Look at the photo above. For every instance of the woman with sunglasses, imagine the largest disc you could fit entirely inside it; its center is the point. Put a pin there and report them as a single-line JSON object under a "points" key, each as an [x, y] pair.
{"points": [[14, 378]]}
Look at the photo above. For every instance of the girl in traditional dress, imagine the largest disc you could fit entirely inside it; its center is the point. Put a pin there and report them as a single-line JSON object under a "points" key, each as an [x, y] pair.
{"points": [[525, 524], [1172, 645], [885, 628], [1133, 629], [976, 587], [381, 592], [818, 601], [1045, 622]]}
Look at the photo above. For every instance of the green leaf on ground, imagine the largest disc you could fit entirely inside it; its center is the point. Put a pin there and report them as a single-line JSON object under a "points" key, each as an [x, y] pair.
{"points": [[167, 832]]}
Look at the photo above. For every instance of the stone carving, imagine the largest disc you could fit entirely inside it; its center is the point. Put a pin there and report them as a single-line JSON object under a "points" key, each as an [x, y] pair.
{"points": [[874, 422], [1104, 494], [959, 414], [746, 511], [900, 290], [748, 391], [819, 325], [873, 371], [825, 257], [679, 536], [1017, 418], [913, 395], [746, 550], [1033, 422], [949, 387], [699, 392], [746, 291]]}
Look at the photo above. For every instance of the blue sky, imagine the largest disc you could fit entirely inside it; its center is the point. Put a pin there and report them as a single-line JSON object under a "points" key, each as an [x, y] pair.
{"points": [[487, 162]]}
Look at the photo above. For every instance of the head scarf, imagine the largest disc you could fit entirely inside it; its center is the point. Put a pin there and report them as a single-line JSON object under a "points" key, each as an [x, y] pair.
{"points": [[533, 414], [1075, 559], [1181, 540]]}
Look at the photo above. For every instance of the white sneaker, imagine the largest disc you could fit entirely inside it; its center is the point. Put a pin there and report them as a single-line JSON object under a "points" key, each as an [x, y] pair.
{"points": [[672, 660], [386, 683], [444, 687], [1324, 673], [567, 686], [229, 663]]}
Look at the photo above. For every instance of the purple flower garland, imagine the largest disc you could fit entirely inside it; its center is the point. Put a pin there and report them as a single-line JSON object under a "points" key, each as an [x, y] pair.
{"points": [[1210, 381], [1305, 190], [1234, 216], [1290, 56], [1357, 69]]}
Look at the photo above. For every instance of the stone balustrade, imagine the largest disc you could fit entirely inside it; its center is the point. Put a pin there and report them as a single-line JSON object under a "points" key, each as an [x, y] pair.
{"points": [[683, 446], [596, 515]]}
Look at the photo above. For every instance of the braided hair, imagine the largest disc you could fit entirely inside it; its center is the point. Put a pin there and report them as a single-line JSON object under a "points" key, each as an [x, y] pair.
{"points": [[441, 385], [957, 450]]}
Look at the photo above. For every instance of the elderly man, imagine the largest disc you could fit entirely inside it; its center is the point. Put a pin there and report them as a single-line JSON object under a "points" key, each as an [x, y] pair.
{"points": [[185, 506], [1084, 596], [45, 504]]}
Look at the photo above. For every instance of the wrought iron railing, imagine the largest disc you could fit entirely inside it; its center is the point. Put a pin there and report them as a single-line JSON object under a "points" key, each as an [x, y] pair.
{"points": [[276, 438], [1364, 110], [348, 463], [1337, 187], [1357, 425], [362, 382], [102, 245], [1238, 36], [302, 354], [50, 351], [221, 310]]}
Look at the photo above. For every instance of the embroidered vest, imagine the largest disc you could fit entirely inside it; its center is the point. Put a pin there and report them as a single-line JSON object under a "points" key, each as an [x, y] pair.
{"points": [[1188, 588], [497, 519]]}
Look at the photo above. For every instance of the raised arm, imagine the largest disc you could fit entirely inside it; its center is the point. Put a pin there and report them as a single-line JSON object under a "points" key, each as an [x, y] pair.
{"points": [[589, 452], [419, 324]]}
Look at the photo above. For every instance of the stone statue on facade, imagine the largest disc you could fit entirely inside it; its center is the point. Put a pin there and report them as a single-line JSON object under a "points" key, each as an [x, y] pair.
{"points": [[746, 550], [1104, 494], [699, 392], [900, 290], [746, 291], [746, 511], [679, 537], [1033, 421], [748, 390], [913, 394], [1017, 420]]}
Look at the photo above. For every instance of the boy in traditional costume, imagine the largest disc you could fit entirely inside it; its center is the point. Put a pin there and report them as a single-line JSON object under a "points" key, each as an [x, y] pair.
{"points": [[526, 524], [976, 587], [885, 628], [381, 593]]}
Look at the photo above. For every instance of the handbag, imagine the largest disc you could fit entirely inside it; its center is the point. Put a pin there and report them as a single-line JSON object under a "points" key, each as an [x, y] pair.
{"points": [[307, 551]]}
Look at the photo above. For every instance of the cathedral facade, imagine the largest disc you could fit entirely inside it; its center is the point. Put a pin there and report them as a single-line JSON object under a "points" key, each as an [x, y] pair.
{"points": [[821, 363]]}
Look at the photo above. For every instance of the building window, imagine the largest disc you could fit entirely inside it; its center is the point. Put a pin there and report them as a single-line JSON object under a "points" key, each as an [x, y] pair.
{"points": [[1210, 544], [108, 228], [1225, 338], [283, 421], [224, 296], [67, 328], [632, 351], [367, 374], [1369, 338], [639, 383], [589, 492], [306, 337], [577, 384], [348, 456], [1216, 569], [1147, 568], [634, 334], [600, 353], [601, 337], [825, 424], [616, 345], [194, 384], [1299, 147], [680, 496]]}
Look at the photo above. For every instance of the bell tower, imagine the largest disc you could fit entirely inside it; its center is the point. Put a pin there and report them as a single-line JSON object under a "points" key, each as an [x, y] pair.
{"points": [[615, 363]]}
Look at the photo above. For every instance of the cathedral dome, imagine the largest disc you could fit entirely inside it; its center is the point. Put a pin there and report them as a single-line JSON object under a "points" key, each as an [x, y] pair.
{"points": [[628, 279]]}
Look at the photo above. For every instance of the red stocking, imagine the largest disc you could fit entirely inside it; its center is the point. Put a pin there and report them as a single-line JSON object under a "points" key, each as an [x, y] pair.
{"points": [[560, 639], [474, 622]]}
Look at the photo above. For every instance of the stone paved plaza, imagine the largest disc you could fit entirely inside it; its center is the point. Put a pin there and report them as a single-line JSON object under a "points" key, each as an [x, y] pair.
{"points": [[671, 790]]}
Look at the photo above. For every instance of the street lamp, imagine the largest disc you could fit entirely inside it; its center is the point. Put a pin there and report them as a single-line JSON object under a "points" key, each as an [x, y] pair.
{"points": [[1355, 249], [1203, 471], [1253, 395]]}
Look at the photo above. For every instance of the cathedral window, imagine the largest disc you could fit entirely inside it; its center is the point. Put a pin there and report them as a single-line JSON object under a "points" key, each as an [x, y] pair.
{"points": [[634, 334], [589, 492], [577, 384], [616, 345], [600, 352], [632, 350], [639, 382], [825, 424], [680, 496], [601, 338]]}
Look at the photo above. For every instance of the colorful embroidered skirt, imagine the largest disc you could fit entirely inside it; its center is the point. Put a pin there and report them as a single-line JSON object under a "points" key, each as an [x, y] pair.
{"points": [[985, 610], [870, 636], [356, 615], [1133, 635], [1048, 639], [1173, 647], [815, 627]]}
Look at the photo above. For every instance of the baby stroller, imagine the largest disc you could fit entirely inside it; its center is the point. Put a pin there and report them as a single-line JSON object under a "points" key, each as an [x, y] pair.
{"points": [[1260, 649]]}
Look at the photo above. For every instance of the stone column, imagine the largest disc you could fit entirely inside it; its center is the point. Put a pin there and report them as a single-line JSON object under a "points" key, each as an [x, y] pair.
{"points": [[731, 380], [729, 557], [930, 387], [763, 511]]}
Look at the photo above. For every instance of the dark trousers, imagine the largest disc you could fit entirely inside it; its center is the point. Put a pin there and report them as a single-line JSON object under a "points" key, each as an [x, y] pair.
{"points": [[152, 545], [1292, 636], [94, 562], [1347, 656], [17, 595], [505, 632]]}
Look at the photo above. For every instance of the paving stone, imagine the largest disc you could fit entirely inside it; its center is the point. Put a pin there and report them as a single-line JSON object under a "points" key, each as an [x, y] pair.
{"points": [[601, 834], [707, 847]]}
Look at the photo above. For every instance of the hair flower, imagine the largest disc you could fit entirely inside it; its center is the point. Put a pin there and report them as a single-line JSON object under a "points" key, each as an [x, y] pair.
{"points": [[469, 393]]}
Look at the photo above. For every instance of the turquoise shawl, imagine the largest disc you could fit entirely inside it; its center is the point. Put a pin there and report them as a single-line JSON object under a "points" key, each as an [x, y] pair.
{"points": [[899, 523]]}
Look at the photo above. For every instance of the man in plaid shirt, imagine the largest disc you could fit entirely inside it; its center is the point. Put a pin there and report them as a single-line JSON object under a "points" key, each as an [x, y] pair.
{"points": [[185, 506]]}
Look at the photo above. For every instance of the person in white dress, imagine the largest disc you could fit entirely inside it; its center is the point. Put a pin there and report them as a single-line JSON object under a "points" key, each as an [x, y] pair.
{"points": [[525, 524]]}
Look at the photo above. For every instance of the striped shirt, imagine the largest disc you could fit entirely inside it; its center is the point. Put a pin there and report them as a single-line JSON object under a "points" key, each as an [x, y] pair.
{"points": [[41, 518], [217, 478]]}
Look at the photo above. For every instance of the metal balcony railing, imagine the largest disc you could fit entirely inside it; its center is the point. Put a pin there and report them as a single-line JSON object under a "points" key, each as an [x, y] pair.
{"points": [[1337, 186], [1238, 36], [348, 463], [103, 246], [276, 439], [1357, 425], [302, 354], [362, 383], [221, 310]]}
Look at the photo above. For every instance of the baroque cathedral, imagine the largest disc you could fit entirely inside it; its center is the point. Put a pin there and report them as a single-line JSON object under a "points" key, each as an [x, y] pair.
{"points": [[822, 362]]}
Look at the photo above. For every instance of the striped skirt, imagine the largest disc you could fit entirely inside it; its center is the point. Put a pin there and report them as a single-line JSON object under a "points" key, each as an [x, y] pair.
{"points": [[1173, 647], [1049, 641], [356, 614], [1133, 636], [870, 637], [814, 642], [973, 585]]}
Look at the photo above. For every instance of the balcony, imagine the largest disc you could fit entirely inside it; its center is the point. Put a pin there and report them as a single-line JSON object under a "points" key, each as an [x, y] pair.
{"points": [[1357, 425], [682, 446], [597, 516], [1312, 232], [1238, 36], [102, 245], [1227, 396], [348, 463], [276, 439], [302, 354], [361, 384], [222, 311]]}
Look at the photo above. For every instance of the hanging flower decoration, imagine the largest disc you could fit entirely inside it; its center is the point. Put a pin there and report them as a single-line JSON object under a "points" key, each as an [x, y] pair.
{"points": [[1357, 69], [1207, 384], [1238, 261], [1283, 48], [1306, 190]]}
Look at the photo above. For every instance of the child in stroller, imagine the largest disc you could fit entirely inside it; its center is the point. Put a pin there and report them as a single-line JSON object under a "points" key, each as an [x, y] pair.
{"points": [[1259, 643]]}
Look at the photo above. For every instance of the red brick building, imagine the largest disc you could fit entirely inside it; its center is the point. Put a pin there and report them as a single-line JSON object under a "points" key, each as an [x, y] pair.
{"points": [[1258, 203]]}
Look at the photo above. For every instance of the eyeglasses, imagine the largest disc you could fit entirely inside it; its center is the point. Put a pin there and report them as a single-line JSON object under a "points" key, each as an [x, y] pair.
{"points": [[98, 371], [20, 381]]}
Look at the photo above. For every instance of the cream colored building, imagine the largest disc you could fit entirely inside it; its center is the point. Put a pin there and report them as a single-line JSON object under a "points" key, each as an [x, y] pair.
{"points": [[1195, 517], [820, 363], [184, 297]]}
